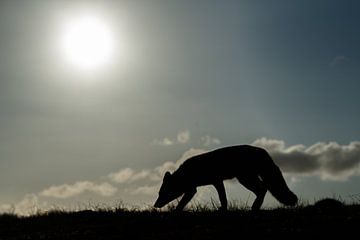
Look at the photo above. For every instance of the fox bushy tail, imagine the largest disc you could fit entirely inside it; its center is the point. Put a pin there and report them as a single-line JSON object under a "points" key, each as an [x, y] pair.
{"points": [[275, 183]]}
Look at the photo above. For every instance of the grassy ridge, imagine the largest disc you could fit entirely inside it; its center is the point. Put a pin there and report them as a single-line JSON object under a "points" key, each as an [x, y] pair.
{"points": [[297, 223]]}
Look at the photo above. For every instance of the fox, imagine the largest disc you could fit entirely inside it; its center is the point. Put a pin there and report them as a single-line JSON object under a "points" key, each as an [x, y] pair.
{"points": [[252, 166]]}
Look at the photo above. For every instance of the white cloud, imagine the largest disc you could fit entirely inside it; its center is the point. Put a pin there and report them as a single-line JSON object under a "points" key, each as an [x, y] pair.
{"points": [[66, 191], [128, 175], [27, 206], [146, 190], [209, 141], [122, 176], [172, 166], [31, 204], [163, 142], [329, 161], [181, 138], [7, 208], [143, 174], [159, 171]]}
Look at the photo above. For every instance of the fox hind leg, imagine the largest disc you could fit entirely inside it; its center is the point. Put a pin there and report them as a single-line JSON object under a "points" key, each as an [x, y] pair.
{"points": [[254, 184]]}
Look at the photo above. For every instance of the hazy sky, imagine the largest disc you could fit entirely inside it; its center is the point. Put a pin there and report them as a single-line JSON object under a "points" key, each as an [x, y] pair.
{"points": [[184, 77]]}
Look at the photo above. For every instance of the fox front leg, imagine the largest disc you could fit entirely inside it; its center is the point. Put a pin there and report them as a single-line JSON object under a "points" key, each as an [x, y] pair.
{"points": [[222, 194], [185, 199]]}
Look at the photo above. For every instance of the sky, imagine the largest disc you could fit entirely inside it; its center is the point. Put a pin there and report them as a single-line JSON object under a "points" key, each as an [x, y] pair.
{"points": [[181, 78]]}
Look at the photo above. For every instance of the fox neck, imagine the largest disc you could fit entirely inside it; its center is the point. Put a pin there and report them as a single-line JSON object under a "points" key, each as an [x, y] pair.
{"points": [[184, 181]]}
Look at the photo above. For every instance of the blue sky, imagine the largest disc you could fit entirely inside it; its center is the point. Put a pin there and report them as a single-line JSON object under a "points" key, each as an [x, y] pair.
{"points": [[187, 76]]}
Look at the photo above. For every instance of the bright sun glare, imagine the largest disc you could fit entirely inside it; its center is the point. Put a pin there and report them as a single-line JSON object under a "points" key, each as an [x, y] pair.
{"points": [[87, 42]]}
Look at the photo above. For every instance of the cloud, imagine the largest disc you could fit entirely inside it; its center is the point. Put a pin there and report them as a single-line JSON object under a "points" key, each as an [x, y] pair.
{"points": [[172, 166], [181, 138], [329, 161], [128, 175], [66, 191], [209, 141], [184, 137], [31, 203], [27, 206], [122, 176], [340, 59], [7, 208], [158, 172], [146, 190], [163, 142]]}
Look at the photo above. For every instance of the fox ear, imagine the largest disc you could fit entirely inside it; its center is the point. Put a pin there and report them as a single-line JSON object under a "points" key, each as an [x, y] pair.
{"points": [[167, 176]]}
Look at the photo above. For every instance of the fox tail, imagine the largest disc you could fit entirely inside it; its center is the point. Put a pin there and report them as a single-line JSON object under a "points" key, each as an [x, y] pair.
{"points": [[277, 186]]}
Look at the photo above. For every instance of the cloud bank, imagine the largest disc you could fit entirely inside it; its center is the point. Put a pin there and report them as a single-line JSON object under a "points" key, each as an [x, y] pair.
{"points": [[329, 161], [65, 190]]}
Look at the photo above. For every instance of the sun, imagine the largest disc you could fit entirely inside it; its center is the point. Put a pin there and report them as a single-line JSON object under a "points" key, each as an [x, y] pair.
{"points": [[87, 42]]}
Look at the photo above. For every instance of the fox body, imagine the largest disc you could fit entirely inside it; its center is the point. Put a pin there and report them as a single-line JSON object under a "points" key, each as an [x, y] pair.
{"points": [[252, 166]]}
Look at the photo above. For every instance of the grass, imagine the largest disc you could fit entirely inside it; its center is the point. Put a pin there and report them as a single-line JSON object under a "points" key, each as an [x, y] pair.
{"points": [[199, 222]]}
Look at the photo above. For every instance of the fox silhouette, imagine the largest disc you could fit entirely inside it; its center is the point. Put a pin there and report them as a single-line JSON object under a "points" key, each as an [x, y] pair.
{"points": [[252, 166]]}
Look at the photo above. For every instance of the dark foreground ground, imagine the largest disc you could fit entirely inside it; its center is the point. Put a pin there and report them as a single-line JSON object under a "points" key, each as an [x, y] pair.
{"points": [[297, 223]]}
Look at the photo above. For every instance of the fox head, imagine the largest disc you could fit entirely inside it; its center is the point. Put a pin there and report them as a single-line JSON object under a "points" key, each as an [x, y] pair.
{"points": [[169, 190]]}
